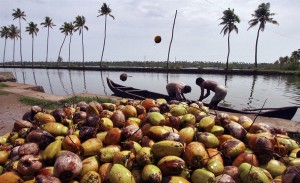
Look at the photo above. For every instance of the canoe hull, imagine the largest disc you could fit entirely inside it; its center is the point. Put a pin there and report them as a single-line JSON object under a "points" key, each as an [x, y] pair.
{"points": [[138, 94]]}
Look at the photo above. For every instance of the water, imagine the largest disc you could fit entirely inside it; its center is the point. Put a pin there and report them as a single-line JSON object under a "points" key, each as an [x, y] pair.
{"points": [[244, 91]]}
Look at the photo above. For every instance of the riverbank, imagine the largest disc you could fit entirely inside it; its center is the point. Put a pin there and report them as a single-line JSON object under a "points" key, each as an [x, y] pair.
{"points": [[165, 70], [11, 108]]}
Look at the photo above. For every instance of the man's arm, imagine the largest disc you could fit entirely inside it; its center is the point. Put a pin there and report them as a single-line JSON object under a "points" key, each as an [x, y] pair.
{"points": [[207, 93], [182, 95], [178, 94], [202, 96], [202, 93]]}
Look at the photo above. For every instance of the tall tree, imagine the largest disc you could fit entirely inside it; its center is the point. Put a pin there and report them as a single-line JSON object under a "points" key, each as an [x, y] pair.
{"points": [[261, 15], [18, 14], [70, 31], [229, 20], [14, 33], [63, 29], [295, 56], [105, 10], [4, 33], [49, 24], [79, 25], [32, 29]]}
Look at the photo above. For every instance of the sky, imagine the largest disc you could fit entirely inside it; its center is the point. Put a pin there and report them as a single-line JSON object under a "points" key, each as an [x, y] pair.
{"points": [[130, 36]]}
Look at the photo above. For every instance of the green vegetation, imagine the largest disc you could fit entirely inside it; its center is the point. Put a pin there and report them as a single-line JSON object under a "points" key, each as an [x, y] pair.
{"points": [[3, 92], [47, 104], [2, 85], [79, 24], [104, 11], [278, 66], [18, 14], [49, 24], [32, 30], [262, 15], [228, 20]]}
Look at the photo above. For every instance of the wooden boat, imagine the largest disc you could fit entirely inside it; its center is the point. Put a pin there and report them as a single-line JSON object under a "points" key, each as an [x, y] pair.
{"points": [[134, 93]]}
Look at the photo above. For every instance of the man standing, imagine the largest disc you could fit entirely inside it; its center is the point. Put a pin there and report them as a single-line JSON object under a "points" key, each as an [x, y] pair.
{"points": [[176, 90], [220, 91]]}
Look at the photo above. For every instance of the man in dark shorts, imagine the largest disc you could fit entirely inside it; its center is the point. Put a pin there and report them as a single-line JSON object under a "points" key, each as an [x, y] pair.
{"points": [[220, 91], [176, 90]]}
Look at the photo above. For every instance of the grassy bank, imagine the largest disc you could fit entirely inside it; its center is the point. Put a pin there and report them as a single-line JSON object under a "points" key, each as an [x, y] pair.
{"points": [[47, 104], [2, 85]]}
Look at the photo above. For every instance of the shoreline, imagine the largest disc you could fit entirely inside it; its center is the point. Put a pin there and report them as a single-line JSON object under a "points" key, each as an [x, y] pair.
{"points": [[9, 107], [165, 70]]}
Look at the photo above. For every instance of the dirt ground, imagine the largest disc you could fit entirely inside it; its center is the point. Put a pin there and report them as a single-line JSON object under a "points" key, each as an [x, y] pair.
{"points": [[11, 109]]}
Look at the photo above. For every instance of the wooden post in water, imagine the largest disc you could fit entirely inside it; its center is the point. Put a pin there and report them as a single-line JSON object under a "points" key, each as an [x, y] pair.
{"points": [[171, 40]]}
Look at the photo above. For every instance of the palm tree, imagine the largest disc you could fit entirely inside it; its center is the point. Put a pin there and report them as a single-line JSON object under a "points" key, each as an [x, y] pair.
{"points": [[228, 20], [49, 24], [32, 30], [20, 15], [79, 24], [4, 33], [65, 31], [105, 10], [70, 29], [261, 15], [14, 33], [296, 55]]}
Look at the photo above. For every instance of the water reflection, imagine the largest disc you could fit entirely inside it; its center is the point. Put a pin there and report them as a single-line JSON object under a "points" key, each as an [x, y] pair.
{"points": [[243, 91], [61, 81], [33, 72], [24, 76], [225, 82], [15, 74], [72, 88], [252, 90], [103, 83], [49, 81], [84, 83], [167, 77]]}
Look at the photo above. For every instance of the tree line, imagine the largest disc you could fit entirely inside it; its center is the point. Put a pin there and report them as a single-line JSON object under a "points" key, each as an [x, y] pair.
{"points": [[261, 16]]}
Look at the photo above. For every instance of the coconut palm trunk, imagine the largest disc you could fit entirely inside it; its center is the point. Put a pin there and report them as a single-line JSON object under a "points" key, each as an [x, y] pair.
{"points": [[228, 50], [70, 48], [49, 24], [47, 47], [82, 49], [62, 46], [104, 11], [21, 42], [32, 50], [171, 39], [18, 14], [79, 25], [14, 49], [105, 19], [262, 15], [4, 50], [229, 20], [32, 30], [256, 44]]}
